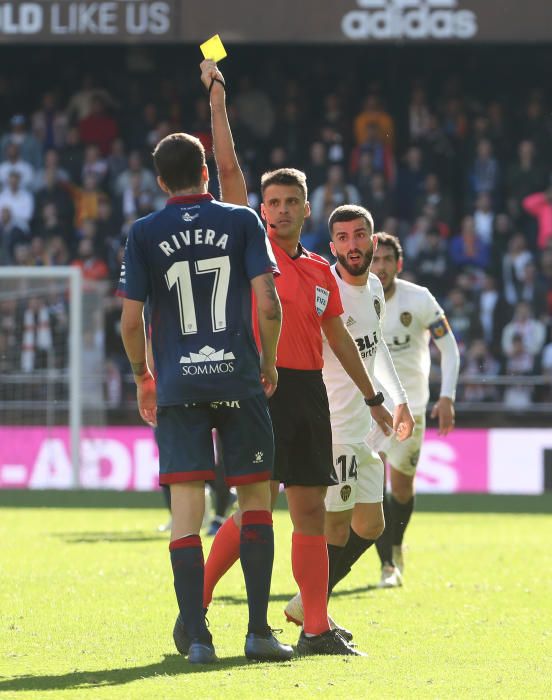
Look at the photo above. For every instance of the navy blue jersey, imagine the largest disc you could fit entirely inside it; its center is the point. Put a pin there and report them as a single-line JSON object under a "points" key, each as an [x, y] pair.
{"points": [[193, 262]]}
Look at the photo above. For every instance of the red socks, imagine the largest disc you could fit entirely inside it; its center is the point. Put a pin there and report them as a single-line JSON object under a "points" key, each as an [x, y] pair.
{"points": [[309, 562], [225, 551]]}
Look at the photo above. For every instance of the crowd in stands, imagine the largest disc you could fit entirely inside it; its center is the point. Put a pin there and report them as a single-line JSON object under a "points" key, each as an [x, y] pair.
{"points": [[462, 180]]}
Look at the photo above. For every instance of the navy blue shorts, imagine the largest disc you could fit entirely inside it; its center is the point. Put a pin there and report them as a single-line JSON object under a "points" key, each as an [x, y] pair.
{"points": [[186, 444]]}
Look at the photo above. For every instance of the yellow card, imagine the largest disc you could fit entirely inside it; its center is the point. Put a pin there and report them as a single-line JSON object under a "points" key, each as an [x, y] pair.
{"points": [[213, 49]]}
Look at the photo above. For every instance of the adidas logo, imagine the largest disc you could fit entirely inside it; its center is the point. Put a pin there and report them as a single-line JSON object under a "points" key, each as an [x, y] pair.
{"points": [[350, 322], [187, 217], [206, 354]]}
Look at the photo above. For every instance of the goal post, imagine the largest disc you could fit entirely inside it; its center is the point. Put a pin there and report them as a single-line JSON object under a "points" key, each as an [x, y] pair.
{"points": [[41, 366]]}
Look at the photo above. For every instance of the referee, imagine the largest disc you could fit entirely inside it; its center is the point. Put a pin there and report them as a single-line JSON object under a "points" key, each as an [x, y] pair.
{"points": [[299, 408]]}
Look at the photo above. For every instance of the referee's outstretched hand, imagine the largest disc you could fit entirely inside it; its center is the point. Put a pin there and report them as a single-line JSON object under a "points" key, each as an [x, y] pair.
{"points": [[210, 72]]}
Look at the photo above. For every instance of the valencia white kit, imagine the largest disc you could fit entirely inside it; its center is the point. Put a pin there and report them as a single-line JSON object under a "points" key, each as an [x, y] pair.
{"points": [[359, 470], [412, 317]]}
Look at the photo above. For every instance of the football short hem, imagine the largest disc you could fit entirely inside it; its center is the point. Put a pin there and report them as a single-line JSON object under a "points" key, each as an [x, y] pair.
{"points": [[246, 479], [168, 478]]}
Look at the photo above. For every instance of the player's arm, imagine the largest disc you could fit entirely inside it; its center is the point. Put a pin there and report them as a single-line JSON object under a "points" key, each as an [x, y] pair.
{"points": [[345, 349], [269, 314], [232, 181], [134, 341], [450, 366], [384, 369]]}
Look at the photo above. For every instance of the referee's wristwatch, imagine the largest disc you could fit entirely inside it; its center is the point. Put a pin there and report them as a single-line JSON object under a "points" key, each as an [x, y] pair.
{"points": [[376, 400]]}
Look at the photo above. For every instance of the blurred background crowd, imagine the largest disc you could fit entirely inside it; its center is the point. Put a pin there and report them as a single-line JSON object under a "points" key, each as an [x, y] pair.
{"points": [[457, 163]]}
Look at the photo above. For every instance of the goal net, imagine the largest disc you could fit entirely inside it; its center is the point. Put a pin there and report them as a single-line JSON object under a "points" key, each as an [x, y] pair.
{"points": [[51, 374]]}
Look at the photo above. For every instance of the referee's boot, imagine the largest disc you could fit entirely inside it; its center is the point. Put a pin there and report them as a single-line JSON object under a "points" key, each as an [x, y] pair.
{"points": [[327, 643], [265, 647], [294, 613]]}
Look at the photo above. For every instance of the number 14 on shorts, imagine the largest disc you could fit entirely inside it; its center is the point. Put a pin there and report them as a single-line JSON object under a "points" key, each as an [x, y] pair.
{"points": [[345, 467]]}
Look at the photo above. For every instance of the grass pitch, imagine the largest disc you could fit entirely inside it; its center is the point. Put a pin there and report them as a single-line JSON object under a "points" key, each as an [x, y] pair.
{"points": [[87, 608]]}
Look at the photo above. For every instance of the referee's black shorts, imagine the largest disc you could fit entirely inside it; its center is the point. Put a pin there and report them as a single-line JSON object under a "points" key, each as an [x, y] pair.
{"points": [[302, 432]]}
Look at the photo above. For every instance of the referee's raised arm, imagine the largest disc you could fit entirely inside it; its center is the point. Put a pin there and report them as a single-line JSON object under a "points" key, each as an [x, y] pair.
{"points": [[232, 181]]}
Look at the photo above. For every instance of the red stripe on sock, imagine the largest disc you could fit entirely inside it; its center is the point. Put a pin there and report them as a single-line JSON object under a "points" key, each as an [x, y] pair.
{"points": [[188, 541], [225, 551], [257, 517], [309, 561]]}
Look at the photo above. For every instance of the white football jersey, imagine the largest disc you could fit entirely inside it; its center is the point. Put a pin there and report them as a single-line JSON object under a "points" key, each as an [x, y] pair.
{"points": [[364, 307], [408, 315]]}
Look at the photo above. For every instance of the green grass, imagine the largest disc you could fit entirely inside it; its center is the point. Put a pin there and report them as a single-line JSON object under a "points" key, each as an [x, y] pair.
{"points": [[87, 608]]}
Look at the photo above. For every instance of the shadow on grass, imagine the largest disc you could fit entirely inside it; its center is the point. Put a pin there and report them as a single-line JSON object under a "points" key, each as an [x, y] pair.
{"points": [[95, 537], [285, 597], [172, 665]]}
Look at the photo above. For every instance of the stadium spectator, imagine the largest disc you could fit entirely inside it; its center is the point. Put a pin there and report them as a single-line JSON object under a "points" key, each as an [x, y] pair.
{"points": [[524, 325], [98, 127], [334, 192], [514, 262], [434, 196], [51, 165], [317, 164], [468, 251], [50, 123], [29, 148], [254, 108], [72, 155], [378, 200], [147, 181], [432, 264], [419, 115], [94, 164], [483, 218], [481, 365], [410, 183], [19, 201], [539, 205], [484, 175], [373, 114], [14, 163], [463, 318], [59, 194], [11, 235], [93, 268]]}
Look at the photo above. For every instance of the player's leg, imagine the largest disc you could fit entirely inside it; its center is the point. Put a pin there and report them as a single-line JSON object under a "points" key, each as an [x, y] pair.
{"points": [[186, 460], [220, 490], [404, 463], [246, 436], [403, 459], [401, 506]]}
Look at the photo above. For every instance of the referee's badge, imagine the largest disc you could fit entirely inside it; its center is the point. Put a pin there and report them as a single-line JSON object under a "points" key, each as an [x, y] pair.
{"points": [[377, 307], [321, 299], [406, 318]]}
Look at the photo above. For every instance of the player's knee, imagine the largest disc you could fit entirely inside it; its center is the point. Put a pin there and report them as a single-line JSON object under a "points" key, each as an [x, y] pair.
{"points": [[403, 492], [372, 530], [339, 534]]}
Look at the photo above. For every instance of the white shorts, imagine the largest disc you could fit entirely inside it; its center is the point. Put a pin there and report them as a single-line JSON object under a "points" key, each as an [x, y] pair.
{"points": [[359, 471], [404, 456]]}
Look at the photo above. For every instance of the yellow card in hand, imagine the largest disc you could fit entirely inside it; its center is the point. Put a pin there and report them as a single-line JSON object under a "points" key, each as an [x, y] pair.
{"points": [[213, 49]]}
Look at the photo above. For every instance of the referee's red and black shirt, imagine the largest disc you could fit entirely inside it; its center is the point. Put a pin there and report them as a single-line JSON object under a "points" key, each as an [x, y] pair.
{"points": [[309, 294]]}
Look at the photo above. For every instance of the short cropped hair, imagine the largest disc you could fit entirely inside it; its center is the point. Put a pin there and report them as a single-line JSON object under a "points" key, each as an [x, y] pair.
{"points": [[179, 160], [285, 176], [391, 241], [350, 212]]}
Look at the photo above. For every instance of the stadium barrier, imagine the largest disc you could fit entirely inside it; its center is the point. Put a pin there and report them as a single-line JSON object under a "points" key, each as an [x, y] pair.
{"points": [[500, 461]]}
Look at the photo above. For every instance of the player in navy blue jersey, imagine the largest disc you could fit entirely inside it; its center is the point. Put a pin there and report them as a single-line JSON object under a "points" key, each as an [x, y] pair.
{"points": [[196, 262]]}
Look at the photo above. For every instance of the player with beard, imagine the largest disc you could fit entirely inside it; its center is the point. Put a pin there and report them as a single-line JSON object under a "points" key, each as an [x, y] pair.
{"points": [[413, 317], [299, 409], [354, 514]]}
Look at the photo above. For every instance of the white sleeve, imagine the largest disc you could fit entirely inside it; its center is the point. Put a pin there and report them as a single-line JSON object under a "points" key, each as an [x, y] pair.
{"points": [[387, 376], [450, 364]]}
